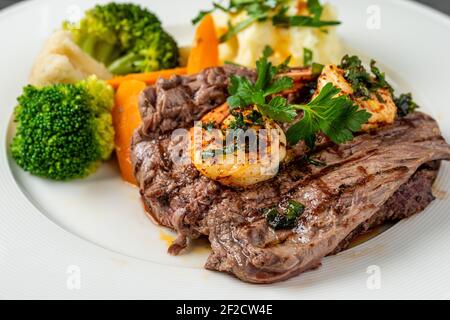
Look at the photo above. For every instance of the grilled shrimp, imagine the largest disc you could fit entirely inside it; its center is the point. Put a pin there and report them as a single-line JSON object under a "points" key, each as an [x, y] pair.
{"points": [[382, 112], [237, 155]]}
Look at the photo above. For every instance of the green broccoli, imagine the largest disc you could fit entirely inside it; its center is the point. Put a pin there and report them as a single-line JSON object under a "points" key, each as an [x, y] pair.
{"points": [[126, 38], [155, 51], [64, 131]]}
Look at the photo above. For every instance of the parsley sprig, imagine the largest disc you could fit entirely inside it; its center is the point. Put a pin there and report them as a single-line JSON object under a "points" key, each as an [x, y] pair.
{"points": [[244, 93], [263, 10], [335, 115]]}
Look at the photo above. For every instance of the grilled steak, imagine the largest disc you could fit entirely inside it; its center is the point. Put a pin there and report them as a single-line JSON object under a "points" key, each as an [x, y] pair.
{"points": [[379, 176], [411, 198]]}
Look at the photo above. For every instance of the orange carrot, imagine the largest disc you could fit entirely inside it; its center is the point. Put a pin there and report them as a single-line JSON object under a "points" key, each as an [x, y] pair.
{"points": [[149, 77], [126, 118], [205, 52]]}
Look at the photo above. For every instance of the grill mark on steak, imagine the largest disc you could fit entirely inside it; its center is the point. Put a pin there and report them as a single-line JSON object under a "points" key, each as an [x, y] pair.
{"points": [[361, 184], [411, 198], [326, 221]]}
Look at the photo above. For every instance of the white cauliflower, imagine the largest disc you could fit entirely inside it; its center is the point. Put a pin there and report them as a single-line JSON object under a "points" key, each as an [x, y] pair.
{"points": [[62, 61]]}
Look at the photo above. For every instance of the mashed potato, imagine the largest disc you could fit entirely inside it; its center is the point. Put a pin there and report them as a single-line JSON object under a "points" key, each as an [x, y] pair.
{"points": [[247, 46]]}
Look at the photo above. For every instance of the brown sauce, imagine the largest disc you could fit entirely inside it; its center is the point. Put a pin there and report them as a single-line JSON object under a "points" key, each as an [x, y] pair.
{"points": [[364, 237]]}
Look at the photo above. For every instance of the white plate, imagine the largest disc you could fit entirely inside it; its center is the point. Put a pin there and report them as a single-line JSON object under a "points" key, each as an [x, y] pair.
{"points": [[51, 233]]}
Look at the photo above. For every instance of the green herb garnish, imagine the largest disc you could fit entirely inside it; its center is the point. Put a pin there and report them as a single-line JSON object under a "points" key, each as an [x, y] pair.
{"points": [[231, 63], [315, 162], [315, 8], [203, 13], [336, 116], [263, 10], [357, 76], [380, 78], [364, 84], [405, 104], [307, 57], [208, 126], [200, 16], [281, 18], [316, 68], [235, 29], [244, 93], [238, 121], [286, 219], [255, 118]]}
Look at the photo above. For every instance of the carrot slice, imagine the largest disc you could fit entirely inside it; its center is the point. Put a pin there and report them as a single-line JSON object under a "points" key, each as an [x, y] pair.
{"points": [[126, 118], [149, 77], [205, 52]]}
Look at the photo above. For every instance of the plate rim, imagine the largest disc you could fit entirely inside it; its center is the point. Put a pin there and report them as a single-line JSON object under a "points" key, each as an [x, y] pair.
{"points": [[102, 252]]}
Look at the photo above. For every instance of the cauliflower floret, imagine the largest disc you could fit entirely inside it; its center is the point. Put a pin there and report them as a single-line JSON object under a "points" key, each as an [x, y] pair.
{"points": [[62, 61]]}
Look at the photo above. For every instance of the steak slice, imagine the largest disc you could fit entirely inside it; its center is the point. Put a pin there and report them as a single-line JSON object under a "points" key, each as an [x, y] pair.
{"points": [[358, 180], [352, 192], [179, 101], [411, 198]]}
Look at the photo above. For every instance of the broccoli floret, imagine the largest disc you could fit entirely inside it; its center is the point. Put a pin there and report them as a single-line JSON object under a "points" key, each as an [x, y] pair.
{"points": [[125, 37], [107, 31], [64, 130], [155, 51]]}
